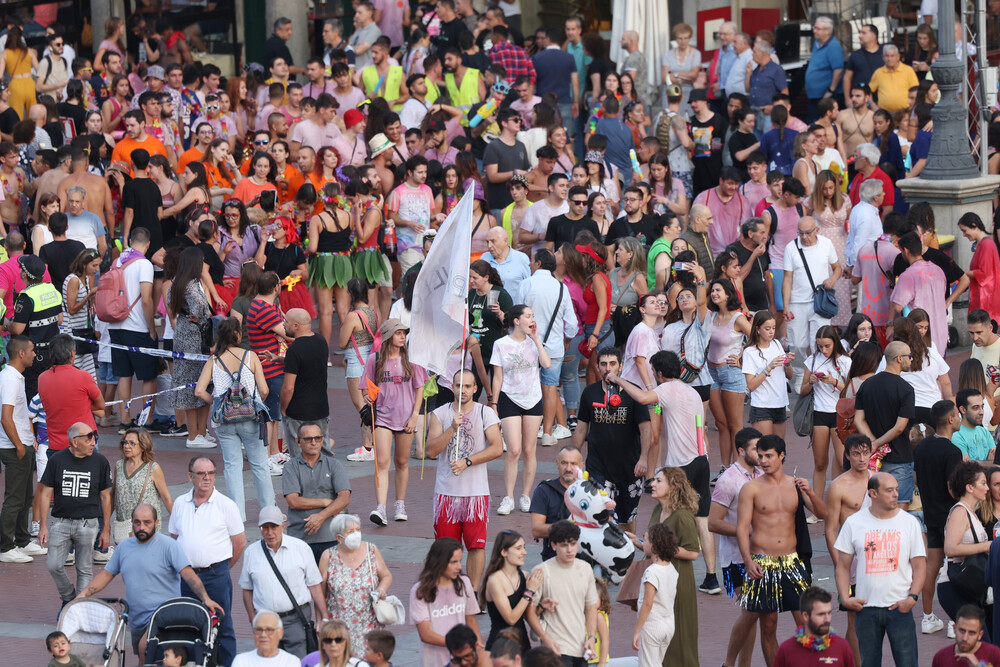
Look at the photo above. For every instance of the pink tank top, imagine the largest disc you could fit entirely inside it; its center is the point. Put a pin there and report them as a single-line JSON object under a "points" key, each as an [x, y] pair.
{"points": [[724, 341]]}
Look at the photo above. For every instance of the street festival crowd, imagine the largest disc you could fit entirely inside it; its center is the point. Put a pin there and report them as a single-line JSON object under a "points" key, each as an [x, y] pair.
{"points": [[642, 256]]}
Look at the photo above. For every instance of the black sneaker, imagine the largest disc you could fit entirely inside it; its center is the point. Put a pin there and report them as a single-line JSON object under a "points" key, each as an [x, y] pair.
{"points": [[174, 431], [124, 427], [710, 585], [157, 426], [572, 421]]}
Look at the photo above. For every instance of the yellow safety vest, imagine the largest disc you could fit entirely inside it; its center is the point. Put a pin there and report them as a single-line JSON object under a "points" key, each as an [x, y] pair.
{"points": [[43, 296], [468, 95], [432, 92], [394, 80]]}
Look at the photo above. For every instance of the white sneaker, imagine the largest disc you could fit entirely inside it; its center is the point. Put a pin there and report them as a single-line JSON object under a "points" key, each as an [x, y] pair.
{"points": [[560, 432], [33, 549], [200, 442], [951, 629], [34, 528], [70, 558], [362, 454], [931, 624], [549, 440], [400, 511], [275, 468], [211, 438], [377, 516], [525, 504], [541, 433], [15, 555], [104, 557], [506, 506]]}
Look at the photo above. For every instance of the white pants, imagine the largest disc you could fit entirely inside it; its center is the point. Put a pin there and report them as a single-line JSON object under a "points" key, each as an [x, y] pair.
{"points": [[801, 337], [654, 638], [408, 258]]}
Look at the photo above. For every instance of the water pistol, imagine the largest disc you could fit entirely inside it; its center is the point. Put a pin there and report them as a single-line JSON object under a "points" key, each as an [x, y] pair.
{"points": [[501, 87], [635, 161]]}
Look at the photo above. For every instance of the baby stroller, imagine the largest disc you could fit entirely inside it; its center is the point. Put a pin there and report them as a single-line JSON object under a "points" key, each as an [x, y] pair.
{"points": [[187, 622], [96, 627]]}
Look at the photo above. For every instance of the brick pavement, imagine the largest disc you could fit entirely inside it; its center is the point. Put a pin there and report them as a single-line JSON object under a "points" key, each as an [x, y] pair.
{"points": [[30, 603]]}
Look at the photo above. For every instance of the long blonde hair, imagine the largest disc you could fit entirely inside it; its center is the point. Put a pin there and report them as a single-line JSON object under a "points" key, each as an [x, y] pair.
{"points": [[331, 630], [682, 495], [818, 200]]}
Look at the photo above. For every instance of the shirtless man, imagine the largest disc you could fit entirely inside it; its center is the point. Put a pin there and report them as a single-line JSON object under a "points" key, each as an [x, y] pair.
{"points": [[48, 183], [15, 186], [538, 177], [846, 495], [857, 123], [517, 186], [98, 199], [765, 531]]}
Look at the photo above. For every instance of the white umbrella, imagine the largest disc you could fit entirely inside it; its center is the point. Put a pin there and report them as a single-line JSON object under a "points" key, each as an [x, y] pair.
{"points": [[650, 19]]}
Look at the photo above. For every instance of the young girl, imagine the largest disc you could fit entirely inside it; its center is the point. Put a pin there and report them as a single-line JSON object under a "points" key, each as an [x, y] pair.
{"points": [[357, 335], [517, 398], [762, 356], [860, 329], [826, 376], [729, 386], [655, 626], [396, 410], [504, 600], [727, 266], [602, 648]]}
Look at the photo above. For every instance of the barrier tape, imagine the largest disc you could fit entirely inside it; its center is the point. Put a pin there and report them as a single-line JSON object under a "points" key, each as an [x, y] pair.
{"points": [[151, 351], [128, 403]]}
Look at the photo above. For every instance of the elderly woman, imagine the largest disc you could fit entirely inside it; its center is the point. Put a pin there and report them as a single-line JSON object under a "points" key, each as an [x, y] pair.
{"points": [[351, 571], [681, 64], [335, 646], [138, 479]]}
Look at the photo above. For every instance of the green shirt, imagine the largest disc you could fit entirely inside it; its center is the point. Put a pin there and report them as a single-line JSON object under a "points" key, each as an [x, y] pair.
{"points": [[659, 246], [975, 443]]}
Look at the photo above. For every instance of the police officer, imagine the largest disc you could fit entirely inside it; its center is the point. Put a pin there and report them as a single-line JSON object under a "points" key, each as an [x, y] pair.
{"points": [[37, 315]]}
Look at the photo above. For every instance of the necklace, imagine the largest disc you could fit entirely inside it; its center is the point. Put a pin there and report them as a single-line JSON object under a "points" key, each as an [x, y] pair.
{"points": [[815, 643]]}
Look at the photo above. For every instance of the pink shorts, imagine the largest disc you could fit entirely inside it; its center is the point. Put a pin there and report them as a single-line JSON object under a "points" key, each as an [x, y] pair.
{"points": [[462, 518]]}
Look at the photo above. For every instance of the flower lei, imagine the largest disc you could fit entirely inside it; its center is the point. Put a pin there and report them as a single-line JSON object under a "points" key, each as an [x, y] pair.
{"points": [[815, 643]]}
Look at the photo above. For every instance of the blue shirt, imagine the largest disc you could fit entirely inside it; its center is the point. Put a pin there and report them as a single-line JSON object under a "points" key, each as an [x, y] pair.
{"points": [[779, 154], [619, 143], [893, 154], [920, 147], [765, 83], [727, 56], [151, 572], [554, 69], [825, 59], [512, 270], [975, 443]]}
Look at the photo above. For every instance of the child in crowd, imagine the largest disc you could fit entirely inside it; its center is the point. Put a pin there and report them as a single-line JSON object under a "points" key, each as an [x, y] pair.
{"points": [[603, 644], [655, 626], [175, 655], [58, 647], [107, 380], [775, 187], [380, 645], [762, 357]]}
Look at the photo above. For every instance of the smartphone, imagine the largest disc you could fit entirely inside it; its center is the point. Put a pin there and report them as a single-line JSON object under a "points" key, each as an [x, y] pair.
{"points": [[683, 266], [821, 374]]}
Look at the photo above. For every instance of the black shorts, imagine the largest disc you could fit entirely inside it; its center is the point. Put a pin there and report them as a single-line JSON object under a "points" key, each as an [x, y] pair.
{"points": [[698, 473], [704, 391], [125, 363], [773, 415], [828, 419], [840, 603], [785, 577], [137, 637], [508, 408], [921, 416], [935, 537]]}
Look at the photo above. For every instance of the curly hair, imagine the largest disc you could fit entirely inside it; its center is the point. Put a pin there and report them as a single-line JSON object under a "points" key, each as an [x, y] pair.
{"points": [[662, 541], [682, 495], [965, 473]]}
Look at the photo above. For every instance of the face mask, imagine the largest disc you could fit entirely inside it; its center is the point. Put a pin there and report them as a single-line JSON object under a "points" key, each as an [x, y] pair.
{"points": [[352, 541]]}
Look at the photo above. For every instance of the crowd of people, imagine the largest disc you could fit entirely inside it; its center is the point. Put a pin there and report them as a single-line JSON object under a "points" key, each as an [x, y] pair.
{"points": [[647, 249]]}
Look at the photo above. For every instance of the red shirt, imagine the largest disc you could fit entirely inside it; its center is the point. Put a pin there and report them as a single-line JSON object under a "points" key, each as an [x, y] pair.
{"points": [[887, 187], [793, 654], [10, 280], [988, 654], [67, 394], [262, 318], [514, 59]]}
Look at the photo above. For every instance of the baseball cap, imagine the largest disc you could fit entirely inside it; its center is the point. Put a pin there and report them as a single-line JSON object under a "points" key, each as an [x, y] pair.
{"points": [[698, 95], [155, 72], [271, 514]]}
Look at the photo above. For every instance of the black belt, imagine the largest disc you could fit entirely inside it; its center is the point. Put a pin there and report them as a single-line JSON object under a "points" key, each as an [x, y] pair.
{"points": [[294, 612], [212, 566]]}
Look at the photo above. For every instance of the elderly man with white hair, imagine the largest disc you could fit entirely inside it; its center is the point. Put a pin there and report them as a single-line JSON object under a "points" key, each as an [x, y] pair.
{"points": [[736, 82], [635, 63], [866, 161], [865, 223], [891, 83], [267, 634], [512, 265], [826, 66], [722, 65]]}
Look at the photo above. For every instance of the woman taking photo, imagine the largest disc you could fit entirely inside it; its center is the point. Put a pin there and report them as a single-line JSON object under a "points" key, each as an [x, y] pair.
{"points": [[196, 192], [263, 177], [504, 588], [964, 534], [668, 192], [239, 239], [729, 385], [351, 571], [517, 397], [395, 409], [825, 378], [687, 332], [189, 311], [488, 301], [78, 292], [597, 296], [138, 480], [356, 338], [831, 209], [220, 169], [330, 265], [984, 285], [230, 364], [114, 108], [442, 598]]}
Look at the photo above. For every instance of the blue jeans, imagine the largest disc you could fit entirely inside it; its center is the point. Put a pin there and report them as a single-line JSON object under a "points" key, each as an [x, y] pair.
{"points": [[903, 472], [218, 585], [64, 534], [874, 623], [569, 378], [247, 433]]}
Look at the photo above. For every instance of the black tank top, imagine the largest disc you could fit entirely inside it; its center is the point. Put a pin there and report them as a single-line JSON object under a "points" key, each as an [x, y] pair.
{"points": [[497, 622], [333, 241]]}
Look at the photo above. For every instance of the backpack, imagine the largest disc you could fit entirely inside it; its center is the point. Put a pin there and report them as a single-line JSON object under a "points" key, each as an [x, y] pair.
{"points": [[111, 301], [771, 211], [236, 404]]}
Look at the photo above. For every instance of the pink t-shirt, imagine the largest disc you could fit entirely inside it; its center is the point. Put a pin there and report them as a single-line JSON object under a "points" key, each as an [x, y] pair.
{"points": [[349, 100], [448, 610], [11, 282], [787, 230], [351, 153], [874, 284], [391, 24], [397, 392], [922, 286], [755, 193], [413, 204], [642, 342], [310, 134], [727, 218], [680, 404]]}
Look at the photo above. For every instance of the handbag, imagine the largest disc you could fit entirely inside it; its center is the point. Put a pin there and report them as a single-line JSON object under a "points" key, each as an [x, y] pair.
{"points": [[624, 319], [968, 577], [389, 611], [846, 409], [312, 639], [120, 529], [802, 413], [236, 404], [824, 300], [631, 586]]}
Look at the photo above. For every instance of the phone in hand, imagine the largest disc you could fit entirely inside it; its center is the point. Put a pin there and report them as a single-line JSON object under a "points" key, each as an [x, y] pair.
{"points": [[820, 374], [683, 266]]}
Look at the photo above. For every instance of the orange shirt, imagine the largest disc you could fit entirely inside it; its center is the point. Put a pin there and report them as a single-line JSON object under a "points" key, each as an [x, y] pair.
{"points": [[190, 155], [216, 179], [295, 181], [123, 149], [246, 190]]}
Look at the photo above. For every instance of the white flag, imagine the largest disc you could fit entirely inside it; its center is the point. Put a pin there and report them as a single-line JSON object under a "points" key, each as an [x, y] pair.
{"points": [[440, 296]]}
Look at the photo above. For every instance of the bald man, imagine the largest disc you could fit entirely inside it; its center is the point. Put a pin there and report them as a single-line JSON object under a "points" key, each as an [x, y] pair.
{"points": [[303, 394], [697, 236], [38, 114], [512, 265], [635, 63]]}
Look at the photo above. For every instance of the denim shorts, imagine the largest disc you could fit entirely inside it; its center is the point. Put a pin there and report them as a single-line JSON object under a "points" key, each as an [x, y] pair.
{"points": [[273, 400], [773, 415], [588, 329], [104, 373], [355, 368], [903, 472], [728, 378], [550, 376]]}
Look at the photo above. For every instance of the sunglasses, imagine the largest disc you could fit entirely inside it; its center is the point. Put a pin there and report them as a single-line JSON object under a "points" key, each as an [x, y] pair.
{"points": [[88, 436], [265, 142], [578, 202], [213, 107], [334, 640]]}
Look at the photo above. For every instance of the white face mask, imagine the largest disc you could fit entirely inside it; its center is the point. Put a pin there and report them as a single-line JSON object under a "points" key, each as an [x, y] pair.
{"points": [[352, 541]]}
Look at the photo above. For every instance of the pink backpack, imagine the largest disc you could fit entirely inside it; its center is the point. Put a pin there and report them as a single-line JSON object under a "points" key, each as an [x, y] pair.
{"points": [[111, 301]]}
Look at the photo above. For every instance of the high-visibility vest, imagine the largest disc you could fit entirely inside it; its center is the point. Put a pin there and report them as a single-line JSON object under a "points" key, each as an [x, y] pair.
{"points": [[466, 96], [394, 80]]}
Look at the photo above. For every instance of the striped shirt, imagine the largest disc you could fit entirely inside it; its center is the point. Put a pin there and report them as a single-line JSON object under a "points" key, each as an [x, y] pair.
{"points": [[262, 318]]}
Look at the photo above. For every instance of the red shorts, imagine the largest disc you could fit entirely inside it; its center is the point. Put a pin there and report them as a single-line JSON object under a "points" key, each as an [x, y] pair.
{"points": [[462, 518]]}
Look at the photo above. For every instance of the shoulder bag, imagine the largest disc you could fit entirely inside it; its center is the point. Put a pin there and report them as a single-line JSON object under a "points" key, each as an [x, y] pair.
{"points": [[389, 611], [888, 276], [824, 300], [87, 331], [968, 577], [624, 319], [802, 413], [689, 373], [312, 639], [555, 314]]}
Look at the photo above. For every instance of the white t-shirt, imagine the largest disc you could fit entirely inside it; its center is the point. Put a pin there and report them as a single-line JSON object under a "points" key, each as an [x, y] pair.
{"points": [[519, 361], [252, 659], [772, 392], [85, 228], [820, 256], [827, 395], [471, 439], [12, 393], [642, 342], [681, 405], [536, 221], [926, 391], [413, 112], [139, 271], [883, 549]]}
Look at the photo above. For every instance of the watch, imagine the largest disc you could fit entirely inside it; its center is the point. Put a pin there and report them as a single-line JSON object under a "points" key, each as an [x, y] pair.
{"points": [[914, 596], [468, 462]]}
